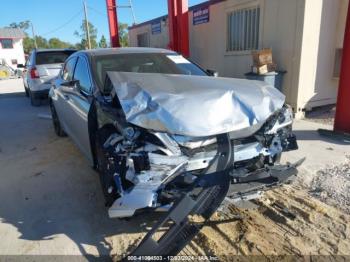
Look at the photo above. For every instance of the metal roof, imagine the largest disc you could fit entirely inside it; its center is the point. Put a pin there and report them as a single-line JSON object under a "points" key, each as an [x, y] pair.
{"points": [[11, 33]]}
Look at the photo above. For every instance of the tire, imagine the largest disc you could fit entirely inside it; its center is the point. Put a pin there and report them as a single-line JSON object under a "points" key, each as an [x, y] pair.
{"points": [[56, 122], [26, 91], [34, 101], [105, 175]]}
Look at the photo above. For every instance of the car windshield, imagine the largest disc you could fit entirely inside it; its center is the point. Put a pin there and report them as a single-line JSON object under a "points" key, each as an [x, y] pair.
{"points": [[56, 57], [163, 63]]}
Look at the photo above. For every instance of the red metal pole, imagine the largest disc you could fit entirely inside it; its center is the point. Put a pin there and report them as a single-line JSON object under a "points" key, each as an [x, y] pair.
{"points": [[113, 22], [179, 26], [342, 116], [172, 16], [183, 36]]}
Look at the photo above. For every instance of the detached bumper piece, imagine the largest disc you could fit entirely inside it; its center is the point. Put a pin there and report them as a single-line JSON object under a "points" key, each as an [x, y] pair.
{"points": [[190, 211], [243, 188], [201, 202]]}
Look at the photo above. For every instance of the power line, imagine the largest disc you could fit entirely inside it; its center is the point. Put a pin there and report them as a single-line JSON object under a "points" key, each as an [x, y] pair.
{"points": [[97, 11], [65, 24], [119, 6]]}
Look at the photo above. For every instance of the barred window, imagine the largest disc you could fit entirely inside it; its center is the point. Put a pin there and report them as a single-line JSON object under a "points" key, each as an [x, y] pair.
{"points": [[6, 43], [243, 29]]}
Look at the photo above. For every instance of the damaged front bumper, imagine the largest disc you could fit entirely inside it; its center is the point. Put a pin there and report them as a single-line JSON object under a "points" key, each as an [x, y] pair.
{"points": [[154, 170]]}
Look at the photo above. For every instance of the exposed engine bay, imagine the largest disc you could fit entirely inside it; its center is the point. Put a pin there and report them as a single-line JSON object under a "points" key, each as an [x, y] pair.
{"points": [[150, 164]]}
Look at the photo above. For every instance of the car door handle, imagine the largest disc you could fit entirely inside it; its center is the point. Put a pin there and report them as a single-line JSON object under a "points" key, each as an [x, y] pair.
{"points": [[66, 97]]}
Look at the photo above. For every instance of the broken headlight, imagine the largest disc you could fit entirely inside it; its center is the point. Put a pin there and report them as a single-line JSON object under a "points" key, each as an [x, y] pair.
{"points": [[280, 120]]}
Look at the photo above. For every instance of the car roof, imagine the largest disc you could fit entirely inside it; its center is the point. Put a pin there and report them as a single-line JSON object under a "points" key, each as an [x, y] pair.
{"points": [[125, 50]]}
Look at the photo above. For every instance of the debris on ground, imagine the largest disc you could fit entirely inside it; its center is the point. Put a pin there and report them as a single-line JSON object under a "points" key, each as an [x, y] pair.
{"points": [[332, 185]]}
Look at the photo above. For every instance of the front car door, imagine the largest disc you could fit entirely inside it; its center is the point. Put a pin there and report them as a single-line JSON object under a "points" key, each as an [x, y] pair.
{"points": [[61, 97], [78, 102]]}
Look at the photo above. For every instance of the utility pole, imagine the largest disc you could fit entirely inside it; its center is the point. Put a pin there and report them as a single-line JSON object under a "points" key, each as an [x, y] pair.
{"points": [[131, 8], [34, 36], [87, 26], [132, 12]]}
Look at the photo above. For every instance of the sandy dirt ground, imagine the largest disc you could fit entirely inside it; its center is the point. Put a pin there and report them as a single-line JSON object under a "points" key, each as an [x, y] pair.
{"points": [[52, 204], [308, 227]]}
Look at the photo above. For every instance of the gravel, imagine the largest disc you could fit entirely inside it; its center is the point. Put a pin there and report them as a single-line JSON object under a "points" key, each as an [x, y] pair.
{"points": [[332, 185]]}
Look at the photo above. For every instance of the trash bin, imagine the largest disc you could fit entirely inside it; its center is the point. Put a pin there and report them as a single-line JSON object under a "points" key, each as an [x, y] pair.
{"points": [[273, 78]]}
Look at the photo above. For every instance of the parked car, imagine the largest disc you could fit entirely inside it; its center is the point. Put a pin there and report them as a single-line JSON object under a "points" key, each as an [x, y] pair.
{"points": [[41, 67], [163, 132]]}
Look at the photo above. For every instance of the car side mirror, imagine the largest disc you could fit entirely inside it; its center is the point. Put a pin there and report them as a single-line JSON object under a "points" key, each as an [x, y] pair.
{"points": [[20, 66], [71, 84], [212, 73]]}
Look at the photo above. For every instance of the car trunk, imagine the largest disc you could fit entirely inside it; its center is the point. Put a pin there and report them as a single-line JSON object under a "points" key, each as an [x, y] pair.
{"points": [[47, 72]]}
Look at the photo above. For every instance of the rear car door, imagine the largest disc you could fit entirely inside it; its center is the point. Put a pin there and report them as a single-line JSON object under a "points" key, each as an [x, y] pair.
{"points": [[78, 102]]}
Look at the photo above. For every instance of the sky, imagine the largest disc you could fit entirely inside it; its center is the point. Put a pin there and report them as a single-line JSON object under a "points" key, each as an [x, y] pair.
{"points": [[60, 18]]}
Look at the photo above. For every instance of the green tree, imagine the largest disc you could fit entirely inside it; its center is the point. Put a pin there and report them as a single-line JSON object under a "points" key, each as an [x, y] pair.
{"points": [[28, 44], [123, 34], [24, 25], [103, 42], [82, 35], [57, 43], [42, 42]]}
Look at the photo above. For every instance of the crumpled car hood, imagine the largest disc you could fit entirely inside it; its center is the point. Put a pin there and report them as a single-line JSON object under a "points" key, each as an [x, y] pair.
{"points": [[195, 106]]}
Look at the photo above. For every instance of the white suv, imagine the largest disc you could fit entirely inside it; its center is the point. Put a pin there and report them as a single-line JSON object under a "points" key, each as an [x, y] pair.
{"points": [[41, 67]]}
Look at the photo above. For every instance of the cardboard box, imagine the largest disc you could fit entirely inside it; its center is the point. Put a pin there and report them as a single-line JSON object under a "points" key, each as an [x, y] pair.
{"points": [[260, 70], [263, 69], [262, 57]]}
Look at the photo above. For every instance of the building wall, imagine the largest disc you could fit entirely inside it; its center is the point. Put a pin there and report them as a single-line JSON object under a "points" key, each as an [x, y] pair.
{"points": [[303, 35], [322, 36], [155, 40], [15, 53], [280, 29]]}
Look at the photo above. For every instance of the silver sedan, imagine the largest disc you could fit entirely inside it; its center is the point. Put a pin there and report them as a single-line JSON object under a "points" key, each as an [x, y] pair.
{"points": [[164, 133]]}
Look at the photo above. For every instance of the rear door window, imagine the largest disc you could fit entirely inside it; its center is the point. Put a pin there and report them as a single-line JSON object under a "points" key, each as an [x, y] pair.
{"points": [[57, 57], [68, 70]]}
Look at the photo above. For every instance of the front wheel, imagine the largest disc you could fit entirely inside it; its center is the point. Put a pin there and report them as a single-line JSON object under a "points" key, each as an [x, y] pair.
{"points": [[102, 164], [26, 91]]}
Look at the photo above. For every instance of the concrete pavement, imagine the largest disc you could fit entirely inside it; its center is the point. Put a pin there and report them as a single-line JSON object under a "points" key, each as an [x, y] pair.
{"points": [[11, 86]]}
